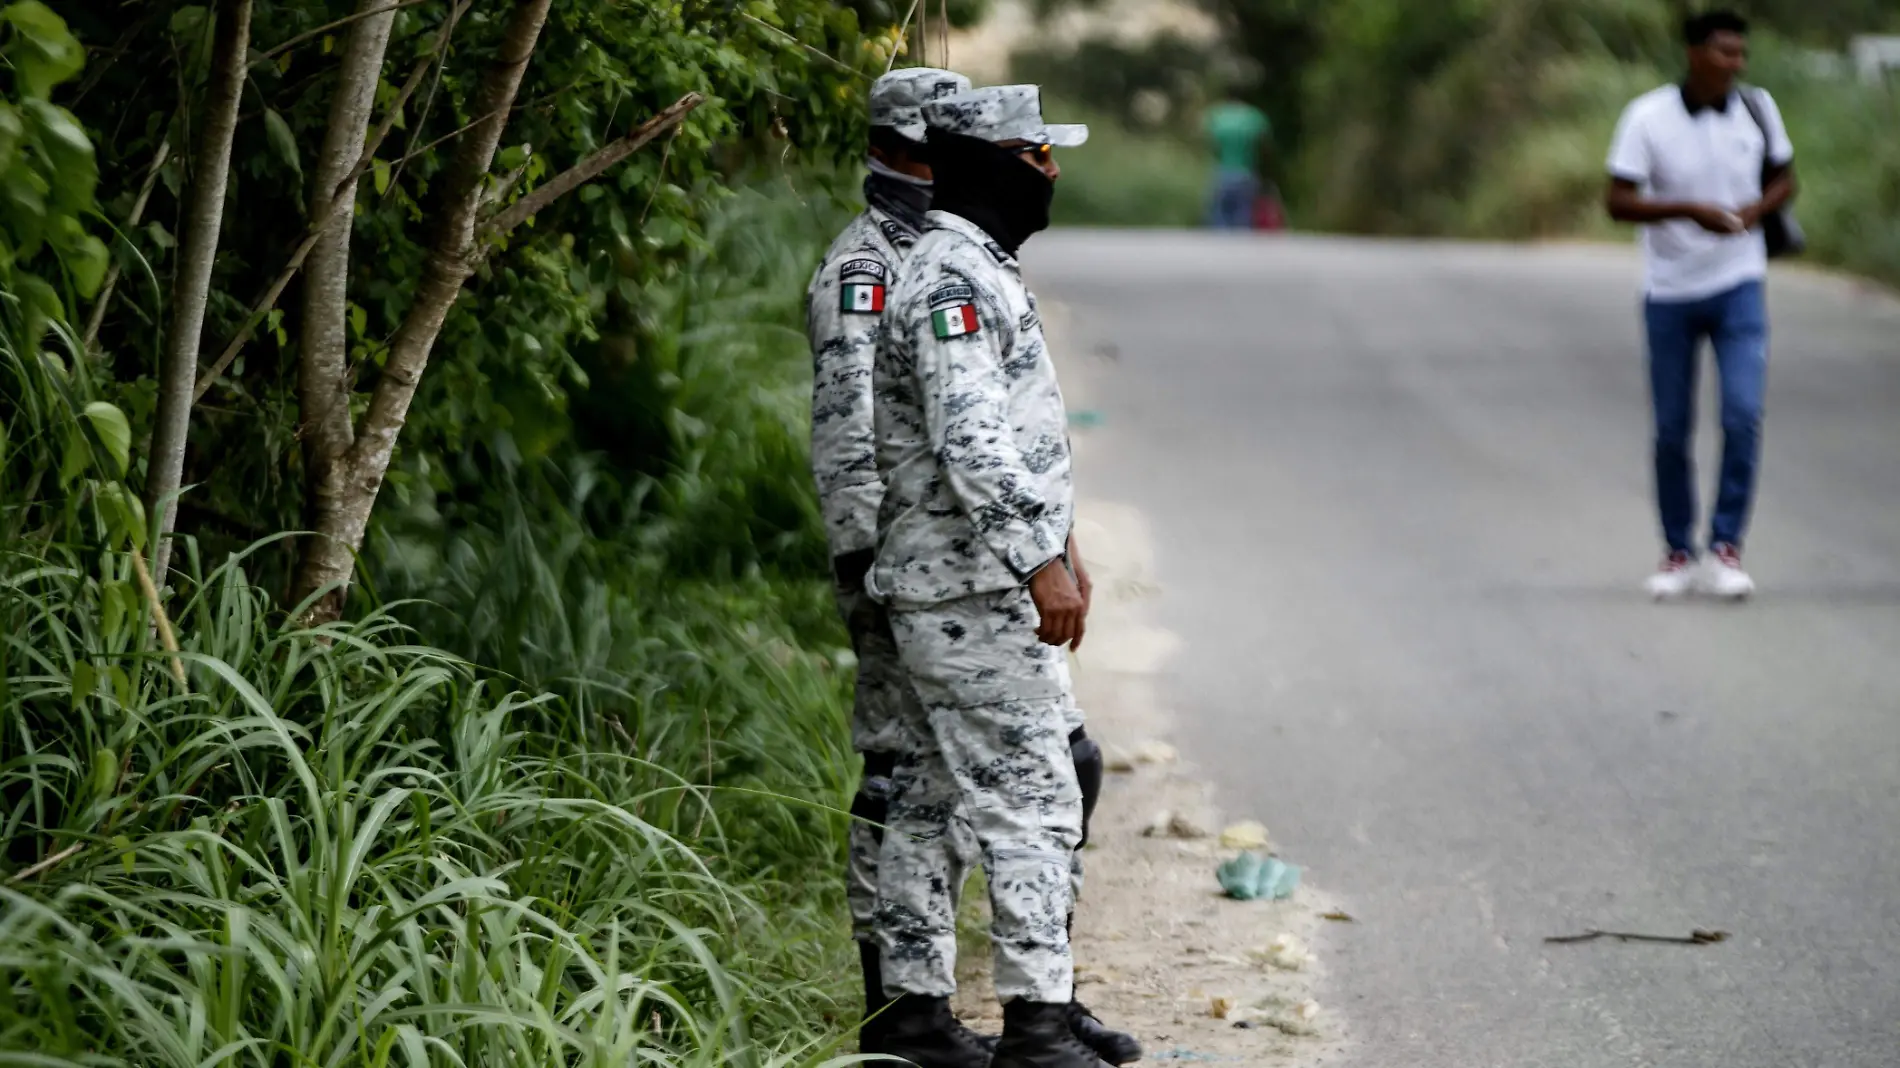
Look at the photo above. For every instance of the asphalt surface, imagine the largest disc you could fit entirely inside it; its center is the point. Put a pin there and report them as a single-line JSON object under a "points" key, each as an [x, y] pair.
{"points": [[1400, 499]]}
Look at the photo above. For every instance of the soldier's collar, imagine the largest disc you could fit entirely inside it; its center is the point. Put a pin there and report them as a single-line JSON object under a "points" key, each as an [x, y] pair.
{"points": [[962, 227]]}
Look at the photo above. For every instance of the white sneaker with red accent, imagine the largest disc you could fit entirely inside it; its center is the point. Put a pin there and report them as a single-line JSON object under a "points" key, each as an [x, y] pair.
{"points": [[1675, 578], [1723, 576]]}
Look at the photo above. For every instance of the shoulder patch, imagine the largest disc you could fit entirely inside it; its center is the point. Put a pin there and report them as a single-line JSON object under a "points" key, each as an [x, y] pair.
{"points": [[864, 297], [955, 320], [896, 234], [861, 285], [996, 251], [865, 267], [953, 294]]}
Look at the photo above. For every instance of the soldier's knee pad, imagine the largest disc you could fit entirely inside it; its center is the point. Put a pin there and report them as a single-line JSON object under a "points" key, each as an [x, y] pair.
{"points": [[1088, 772], [873, 801]]}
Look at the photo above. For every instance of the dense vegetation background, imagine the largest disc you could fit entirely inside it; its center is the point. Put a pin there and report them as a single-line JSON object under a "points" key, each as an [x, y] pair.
{"points": [[330, 837]]}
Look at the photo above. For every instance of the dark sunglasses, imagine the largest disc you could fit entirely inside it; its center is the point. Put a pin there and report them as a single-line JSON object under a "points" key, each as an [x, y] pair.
{"points": [[1040, 154]]}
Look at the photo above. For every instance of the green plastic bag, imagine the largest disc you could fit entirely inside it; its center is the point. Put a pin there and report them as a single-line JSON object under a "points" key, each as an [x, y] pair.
{"points": [[1250, 877]]}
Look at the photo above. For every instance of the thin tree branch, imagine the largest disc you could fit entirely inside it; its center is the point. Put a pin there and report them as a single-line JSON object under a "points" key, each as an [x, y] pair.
{"points": [[104, 298], [345, 21], [191, 286], [902, 33], [264, 303], [48, 864], [660, 178], [428, 100], [166, 637], [541, 102], [96, 70], [591, 167], [819, 52], [343, 504]]}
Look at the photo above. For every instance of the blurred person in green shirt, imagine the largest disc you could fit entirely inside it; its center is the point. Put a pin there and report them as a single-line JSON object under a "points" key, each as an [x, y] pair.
{"points": [[1238, 132]]}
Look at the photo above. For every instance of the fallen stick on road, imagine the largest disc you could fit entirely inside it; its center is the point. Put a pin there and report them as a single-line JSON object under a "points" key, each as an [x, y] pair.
{"points": [[1694, 938]]}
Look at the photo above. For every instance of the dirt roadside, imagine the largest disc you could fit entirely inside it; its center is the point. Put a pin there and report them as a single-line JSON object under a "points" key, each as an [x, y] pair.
{"points": [[1160, 951]]}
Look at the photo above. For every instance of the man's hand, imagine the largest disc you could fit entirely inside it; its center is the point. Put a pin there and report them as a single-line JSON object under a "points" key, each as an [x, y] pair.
{"points": [[1626, 203], [1717, 220], [1059, 604], [1083, 584]]}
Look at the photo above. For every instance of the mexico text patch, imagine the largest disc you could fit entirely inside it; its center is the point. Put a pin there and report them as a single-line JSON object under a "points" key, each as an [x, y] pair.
{"points": [[861, 288], [865, 268]]}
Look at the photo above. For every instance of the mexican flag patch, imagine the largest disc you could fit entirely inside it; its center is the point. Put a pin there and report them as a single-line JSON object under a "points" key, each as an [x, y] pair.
{"points": [[862, 297], [954, 322]]}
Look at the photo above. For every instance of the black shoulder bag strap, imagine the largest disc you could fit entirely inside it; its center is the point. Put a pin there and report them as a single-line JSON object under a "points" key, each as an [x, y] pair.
{"points": [[1778, 228]]}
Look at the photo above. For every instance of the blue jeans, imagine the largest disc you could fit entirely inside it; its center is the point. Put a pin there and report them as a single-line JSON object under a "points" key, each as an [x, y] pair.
{"points": [[1231, 205], [1736, 323]]}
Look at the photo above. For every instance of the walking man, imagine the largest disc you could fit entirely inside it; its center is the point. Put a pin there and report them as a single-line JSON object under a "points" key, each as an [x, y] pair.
{"points": [[975, 562], [1700, 165], [1238, 131], [845, 301]]}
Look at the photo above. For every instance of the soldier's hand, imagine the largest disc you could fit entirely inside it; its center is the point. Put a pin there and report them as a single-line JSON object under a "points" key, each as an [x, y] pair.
{"points": [[1059, 604], [1083, 584]]}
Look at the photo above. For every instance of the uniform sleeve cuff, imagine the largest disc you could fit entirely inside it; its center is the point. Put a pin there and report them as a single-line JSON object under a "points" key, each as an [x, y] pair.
{"points": [[1024, 562]]}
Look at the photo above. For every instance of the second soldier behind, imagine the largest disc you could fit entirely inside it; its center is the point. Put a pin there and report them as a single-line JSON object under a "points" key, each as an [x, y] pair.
{"points": [[973, 560], [845, 301]]}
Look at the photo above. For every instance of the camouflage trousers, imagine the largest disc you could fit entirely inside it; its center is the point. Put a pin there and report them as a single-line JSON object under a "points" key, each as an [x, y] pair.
{"points": [[883, 709], [989, 746]]}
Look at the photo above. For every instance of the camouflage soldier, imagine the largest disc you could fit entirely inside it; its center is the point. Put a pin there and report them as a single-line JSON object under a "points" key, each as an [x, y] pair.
{"points": [[844, 302], [975, 561]]}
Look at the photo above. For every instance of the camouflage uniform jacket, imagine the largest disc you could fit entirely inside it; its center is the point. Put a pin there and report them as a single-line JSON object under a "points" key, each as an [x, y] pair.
{"points": [[972, 435], [843, 306]]}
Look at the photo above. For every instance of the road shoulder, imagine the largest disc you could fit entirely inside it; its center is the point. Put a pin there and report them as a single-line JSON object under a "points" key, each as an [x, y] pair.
{"points": [[1160, 950]]}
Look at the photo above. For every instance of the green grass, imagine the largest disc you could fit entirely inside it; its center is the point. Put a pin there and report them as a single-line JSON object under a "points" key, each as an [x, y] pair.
{"points": [[338, 846]]}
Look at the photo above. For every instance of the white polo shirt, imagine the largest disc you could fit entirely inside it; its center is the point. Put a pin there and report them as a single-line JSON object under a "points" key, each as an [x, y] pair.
{"points": [[1710, 157]]}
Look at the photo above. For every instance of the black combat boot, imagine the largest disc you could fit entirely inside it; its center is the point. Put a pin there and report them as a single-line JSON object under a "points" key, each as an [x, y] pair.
{"points": [[876, 1020], [923, 1031], [1115, 1047], [1036, 1034]]}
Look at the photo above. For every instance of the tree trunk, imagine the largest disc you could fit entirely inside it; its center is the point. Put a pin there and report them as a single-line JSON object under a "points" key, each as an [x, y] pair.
{"points": [[342, 502], [191, 286], [323, 392]]}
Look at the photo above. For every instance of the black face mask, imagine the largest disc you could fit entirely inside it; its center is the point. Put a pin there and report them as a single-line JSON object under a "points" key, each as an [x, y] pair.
{"points": [[992, 187], [905, 201]]}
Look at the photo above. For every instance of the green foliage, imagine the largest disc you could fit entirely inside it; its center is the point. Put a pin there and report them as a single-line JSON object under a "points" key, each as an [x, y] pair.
{"points": [[351, 844], [1146, 86], [617, 840], [62, 450], [47, 174], [1124, 177], [347, 847], [567, 294]]}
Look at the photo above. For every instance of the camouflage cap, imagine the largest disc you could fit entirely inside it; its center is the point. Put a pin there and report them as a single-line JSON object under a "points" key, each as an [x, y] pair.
{"points": [[897, 99], [1001, 113]]}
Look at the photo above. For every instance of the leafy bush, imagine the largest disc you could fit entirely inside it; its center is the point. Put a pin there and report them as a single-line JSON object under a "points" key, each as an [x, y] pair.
{"points": [[1125, 178], [351, 845]]}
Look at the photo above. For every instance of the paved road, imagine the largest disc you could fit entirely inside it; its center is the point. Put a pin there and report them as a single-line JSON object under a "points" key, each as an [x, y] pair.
{"points": [[1399, 493]]}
